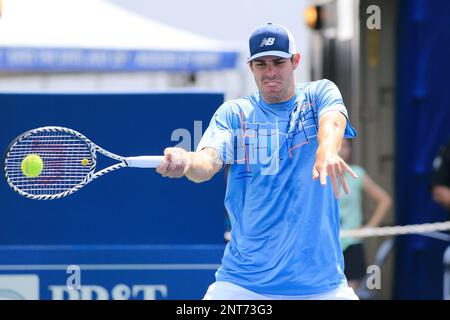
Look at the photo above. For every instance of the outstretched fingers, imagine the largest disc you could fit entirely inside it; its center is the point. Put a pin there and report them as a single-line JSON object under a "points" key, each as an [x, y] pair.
{"points": [[346, 168], [332, 172], [336, 171]]}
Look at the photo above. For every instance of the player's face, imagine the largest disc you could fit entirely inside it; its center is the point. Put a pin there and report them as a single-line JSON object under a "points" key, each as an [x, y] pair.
{"points": [[274, 77]]}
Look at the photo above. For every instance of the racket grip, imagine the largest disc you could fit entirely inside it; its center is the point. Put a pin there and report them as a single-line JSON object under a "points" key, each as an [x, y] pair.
{"points": [[144, 161]]}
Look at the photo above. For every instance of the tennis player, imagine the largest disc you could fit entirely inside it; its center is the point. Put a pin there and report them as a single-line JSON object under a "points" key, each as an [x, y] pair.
{"points": [[282, 144]]}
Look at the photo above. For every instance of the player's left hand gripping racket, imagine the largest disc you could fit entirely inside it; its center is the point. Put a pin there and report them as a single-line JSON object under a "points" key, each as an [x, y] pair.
{"points": [[69, 161]]}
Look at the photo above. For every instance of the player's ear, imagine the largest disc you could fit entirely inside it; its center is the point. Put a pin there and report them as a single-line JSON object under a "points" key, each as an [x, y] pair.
{"points": [[250, 65], [296, 60]]}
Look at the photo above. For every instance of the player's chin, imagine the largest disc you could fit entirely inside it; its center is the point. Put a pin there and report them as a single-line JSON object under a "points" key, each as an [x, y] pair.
{"points": [[275, 92]]}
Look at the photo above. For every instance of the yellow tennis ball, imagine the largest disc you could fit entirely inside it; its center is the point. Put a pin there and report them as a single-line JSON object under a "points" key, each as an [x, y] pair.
{"points": [[32, 165], [85, 162]]}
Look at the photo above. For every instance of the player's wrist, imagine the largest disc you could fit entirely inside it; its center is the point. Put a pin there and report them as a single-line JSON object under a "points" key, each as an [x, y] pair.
{"points": [[189, 160], [327, 149], [200, 167]]}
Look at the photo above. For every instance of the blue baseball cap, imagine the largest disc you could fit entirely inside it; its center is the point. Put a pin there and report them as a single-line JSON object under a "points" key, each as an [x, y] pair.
{"points": [[271, 40]]}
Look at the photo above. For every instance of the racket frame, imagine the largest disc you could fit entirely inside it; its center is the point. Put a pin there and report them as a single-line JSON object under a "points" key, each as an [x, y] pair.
{"points": [[90, 176]]}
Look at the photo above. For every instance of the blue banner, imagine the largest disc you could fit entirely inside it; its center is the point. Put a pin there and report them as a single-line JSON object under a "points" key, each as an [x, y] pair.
{"points": [[73, 59], [130, 205], [107, 272]]}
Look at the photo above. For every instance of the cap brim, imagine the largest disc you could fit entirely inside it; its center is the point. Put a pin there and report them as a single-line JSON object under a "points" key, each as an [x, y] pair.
{"points": [[281, 54]]}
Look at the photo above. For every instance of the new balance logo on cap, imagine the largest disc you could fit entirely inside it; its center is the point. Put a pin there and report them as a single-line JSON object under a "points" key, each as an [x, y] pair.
{"points": [[271, 40], [267, 42]]}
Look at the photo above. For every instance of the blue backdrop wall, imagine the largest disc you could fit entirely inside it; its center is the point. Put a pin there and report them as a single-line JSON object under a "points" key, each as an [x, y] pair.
{"points": [[129, 206], [422, 126]]}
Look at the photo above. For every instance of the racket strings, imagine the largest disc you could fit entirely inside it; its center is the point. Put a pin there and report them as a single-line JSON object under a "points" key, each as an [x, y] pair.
{"points": [[67, 161]]}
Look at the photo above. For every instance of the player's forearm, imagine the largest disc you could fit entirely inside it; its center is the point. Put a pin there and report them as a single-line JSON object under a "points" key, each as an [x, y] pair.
{"points": [[379, 213], [331, 131], [202, 167], [328, 162]]}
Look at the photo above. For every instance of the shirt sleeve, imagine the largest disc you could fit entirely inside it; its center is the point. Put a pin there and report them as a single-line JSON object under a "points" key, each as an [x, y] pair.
{"points": [[219, 134], [328, 98]]}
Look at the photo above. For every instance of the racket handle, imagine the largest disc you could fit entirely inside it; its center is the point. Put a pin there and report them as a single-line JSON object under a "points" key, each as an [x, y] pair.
{"points": [[144, 161]]}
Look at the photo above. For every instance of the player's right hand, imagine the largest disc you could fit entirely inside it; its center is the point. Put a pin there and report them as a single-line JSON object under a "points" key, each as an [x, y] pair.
{"points": [[176, 163]]}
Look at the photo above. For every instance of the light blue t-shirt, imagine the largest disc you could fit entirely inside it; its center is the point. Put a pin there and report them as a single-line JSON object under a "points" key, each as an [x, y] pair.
{"points": [[285, 225]]}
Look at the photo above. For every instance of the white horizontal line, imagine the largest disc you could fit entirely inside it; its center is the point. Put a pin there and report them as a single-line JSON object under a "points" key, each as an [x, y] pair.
{"points": [[202, 266], [52, 171]]}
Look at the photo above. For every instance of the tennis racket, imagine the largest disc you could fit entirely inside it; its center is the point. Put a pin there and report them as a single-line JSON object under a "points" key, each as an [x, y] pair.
{"points": [[69, 162]]}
